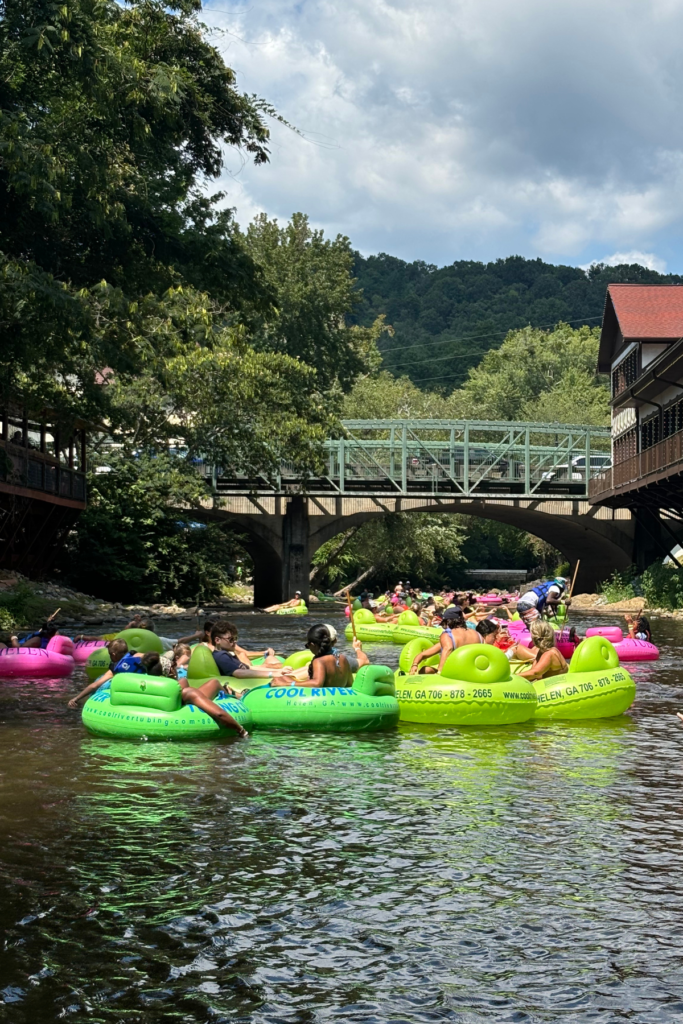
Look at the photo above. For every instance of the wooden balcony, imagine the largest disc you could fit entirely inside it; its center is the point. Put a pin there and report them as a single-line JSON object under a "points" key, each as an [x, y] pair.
{"points": [[29, 473], [646, 470]]}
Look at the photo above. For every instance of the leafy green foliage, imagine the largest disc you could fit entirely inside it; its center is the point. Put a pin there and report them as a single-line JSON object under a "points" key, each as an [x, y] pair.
{"points": [[619, 587], [414, 546], [663, 586], [138, 540], [311, 280], [446, 319], [491, 545], [544, 376], [110, 118]]}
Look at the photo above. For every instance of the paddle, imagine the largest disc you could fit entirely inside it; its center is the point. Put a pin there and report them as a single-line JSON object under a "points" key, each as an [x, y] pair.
{"points": [[571, 591], [353, 624]]}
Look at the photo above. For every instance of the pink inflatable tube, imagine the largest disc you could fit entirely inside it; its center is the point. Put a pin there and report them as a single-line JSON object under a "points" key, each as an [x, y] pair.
{"points": [[32, 662], [636, 650], [566, 648], [84, 648], [627, 649], [611, 633]]}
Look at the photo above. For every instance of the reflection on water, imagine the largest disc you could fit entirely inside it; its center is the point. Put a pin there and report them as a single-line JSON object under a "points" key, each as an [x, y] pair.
{"points": [[519, 874]]}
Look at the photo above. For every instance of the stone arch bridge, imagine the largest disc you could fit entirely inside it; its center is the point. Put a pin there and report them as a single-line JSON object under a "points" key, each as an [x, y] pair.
{"points": [[528, 475]]}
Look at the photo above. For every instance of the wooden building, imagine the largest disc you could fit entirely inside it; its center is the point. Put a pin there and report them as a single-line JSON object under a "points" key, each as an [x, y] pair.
{"points": [[42, 488], [641, 348]]}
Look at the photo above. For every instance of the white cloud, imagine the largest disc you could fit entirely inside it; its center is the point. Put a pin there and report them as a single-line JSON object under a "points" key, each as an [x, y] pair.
{"points": [[645, 259], [449, 129]]}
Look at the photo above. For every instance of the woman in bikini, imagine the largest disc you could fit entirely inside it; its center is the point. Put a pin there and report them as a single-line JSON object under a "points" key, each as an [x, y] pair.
{"points": [[329, 666], [547, 659]]}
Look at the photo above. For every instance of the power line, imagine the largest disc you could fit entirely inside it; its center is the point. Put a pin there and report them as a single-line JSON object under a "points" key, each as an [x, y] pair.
{"points": [[497, 334]]}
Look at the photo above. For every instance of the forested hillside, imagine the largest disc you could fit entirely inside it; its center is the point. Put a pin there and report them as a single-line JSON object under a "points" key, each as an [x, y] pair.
{"points": [[445, 319]]}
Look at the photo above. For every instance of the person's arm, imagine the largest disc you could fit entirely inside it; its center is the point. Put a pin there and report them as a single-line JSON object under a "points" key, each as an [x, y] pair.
{"points": [[73, 703], [429, 653], [522, 653], [360, 653], [252, 673], [447, 647], [197, 635], [538, 670], [134, 622], [268, 653]]}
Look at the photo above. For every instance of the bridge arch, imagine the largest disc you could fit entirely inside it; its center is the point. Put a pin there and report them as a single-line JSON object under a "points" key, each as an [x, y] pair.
{"points": [[281, 543]]}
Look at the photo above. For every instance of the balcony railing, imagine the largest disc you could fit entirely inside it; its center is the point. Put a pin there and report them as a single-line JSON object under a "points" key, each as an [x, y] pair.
{"points": [[35, 471], [636, 470], [625, 374]]}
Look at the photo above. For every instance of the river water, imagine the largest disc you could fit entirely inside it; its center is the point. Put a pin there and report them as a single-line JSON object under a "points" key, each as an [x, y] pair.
{"points": [[529, 873]]}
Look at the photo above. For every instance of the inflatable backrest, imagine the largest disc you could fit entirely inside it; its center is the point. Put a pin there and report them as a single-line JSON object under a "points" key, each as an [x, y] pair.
{"points": [[375, 681], [141, 640], [481, 664], [408, 619], [611, 633], [363, 617], [594, 654], [299, 659], [142, 691], [61, 645], [202, 664], [411, 651]]}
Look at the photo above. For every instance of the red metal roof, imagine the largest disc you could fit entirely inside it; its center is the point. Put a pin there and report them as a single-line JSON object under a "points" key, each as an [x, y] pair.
{"points": [[648, 310]]}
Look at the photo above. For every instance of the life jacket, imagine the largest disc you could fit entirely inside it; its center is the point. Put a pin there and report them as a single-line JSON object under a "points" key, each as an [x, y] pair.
{"points": [[44, 640], [129, 663], [543, 589]]}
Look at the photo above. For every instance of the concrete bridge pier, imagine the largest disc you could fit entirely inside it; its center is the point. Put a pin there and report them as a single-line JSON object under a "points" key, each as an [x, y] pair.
{"points": [[279, 547]]}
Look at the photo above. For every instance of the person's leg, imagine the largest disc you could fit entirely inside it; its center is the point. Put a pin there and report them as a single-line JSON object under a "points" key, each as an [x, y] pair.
{"points": [[200, 700], [214, 686]]}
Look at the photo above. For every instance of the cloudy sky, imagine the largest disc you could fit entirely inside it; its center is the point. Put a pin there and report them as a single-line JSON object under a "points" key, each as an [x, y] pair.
{"points": [[468, 129]]}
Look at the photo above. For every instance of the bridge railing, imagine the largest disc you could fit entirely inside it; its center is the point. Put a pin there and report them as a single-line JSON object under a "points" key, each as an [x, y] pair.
{"points": [[454, 458]]}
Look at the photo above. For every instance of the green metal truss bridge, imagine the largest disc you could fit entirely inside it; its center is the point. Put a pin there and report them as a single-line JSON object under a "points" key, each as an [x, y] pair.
{"points": [[442, 458]]}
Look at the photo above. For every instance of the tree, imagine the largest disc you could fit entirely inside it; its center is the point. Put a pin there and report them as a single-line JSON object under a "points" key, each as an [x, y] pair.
{"points": [[139, 540], [311, 280], [413, 546], [447, 318], [383, 396], [532, 376], [111, 119]]}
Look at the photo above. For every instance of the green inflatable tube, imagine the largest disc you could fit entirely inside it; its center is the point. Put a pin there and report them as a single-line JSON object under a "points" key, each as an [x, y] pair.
{"points": [[367, 707], [404, 633], [410, 653], [299, 609], [596, 686], [368, 630], [97, 664], [141, 640], [134, 706], [202, 668], [299, 659], [476, 688]]}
